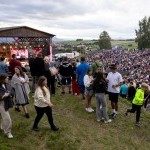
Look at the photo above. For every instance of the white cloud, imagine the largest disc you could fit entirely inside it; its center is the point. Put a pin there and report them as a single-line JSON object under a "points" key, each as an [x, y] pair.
{"points": [[76, 18]]}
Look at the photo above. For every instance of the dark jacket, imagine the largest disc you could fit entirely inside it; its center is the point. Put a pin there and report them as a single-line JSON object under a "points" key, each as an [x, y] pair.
{"points": [[12, 64], [100, 87], [8, 101], [65, 70], [131, 91], [38, 67]]}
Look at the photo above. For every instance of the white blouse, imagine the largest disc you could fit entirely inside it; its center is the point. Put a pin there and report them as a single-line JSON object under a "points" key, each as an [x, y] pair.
{"points": [[87, 80], [39, 99]]}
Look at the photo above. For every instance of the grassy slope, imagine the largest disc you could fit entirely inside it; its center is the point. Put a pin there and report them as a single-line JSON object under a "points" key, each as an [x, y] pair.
{"points": [[78, 129], [125, 44]]}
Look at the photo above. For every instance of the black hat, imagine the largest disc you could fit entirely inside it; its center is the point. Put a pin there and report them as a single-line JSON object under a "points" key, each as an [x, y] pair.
{"points": [[113, 66]]}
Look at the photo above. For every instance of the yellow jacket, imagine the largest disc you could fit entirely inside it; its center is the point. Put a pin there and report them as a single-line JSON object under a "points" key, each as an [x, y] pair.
{"points": [[139, 97]]}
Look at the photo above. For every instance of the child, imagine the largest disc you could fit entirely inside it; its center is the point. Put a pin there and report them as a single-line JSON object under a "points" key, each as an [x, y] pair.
{"points": [[137, 102]]}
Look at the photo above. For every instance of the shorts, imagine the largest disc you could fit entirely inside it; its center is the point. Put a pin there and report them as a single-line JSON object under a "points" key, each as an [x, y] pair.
{"points": [[113, 97], [82, 89], [66, 81], [88, 92]]}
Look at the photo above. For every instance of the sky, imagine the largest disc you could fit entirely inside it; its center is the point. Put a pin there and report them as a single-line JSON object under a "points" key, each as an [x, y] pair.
{"points": [[74, 19]]}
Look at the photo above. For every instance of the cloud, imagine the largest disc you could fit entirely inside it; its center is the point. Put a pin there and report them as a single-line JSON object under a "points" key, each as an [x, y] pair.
{"points": [[76, 18]]}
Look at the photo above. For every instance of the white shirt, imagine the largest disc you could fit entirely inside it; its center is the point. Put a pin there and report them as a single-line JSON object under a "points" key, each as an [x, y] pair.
{"points": [[114, 79], [87, 80], [40, 99]]}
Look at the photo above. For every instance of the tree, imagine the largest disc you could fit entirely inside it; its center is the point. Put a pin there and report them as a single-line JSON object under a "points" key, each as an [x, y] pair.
{"points": [[104, 41], [143, 33]]}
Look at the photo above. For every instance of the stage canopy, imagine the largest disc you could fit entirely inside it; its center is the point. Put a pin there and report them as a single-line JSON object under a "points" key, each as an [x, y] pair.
{"points": [[23, 35]]}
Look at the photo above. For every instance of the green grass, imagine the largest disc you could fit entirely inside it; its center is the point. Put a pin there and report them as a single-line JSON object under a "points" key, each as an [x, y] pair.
{"points": [[78, 129], [125, 44]]}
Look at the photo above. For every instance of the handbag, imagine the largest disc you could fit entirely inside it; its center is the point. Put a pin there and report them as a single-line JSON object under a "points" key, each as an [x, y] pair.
{"points": [[53, 71], [90, 87]]}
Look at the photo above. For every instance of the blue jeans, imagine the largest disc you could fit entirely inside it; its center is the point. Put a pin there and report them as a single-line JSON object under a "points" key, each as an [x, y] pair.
{"points": [[101, 102]]}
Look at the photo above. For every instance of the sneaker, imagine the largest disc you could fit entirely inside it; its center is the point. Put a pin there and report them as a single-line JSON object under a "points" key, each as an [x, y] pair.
{"points": [[9, 135], [98, 120], [108, 121], [126, 114], [91, 109], [138, 124], [27, 115], [88, 110], [114, 115], [54, 128], [62, 92]]}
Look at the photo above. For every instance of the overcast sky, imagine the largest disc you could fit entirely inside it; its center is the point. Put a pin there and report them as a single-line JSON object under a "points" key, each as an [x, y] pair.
{"points": [[76, 18]]}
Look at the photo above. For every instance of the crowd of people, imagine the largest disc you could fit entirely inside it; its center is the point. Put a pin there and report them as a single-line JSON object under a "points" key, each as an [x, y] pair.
{"points": [[116, 73]]}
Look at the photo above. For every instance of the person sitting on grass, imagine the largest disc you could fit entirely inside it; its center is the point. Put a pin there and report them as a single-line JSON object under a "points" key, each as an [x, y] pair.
{"points": [[137, 102], [43, 104]]}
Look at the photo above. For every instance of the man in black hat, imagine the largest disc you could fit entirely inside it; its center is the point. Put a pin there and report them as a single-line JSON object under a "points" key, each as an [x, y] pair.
{"points": [[114, 81]]}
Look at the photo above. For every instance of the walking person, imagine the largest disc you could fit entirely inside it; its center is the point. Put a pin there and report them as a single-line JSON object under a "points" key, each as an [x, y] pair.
{"points": [[6, 102], [100, 87], [114, 79], [138, 102], [20, 82], [43, 104]]}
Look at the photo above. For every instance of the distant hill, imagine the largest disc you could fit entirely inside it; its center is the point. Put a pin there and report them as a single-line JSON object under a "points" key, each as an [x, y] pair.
{"points": [[55, 39]]}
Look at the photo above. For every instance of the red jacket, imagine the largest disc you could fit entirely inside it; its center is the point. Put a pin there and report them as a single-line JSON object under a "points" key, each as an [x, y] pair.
{"points": [[12, 64]]}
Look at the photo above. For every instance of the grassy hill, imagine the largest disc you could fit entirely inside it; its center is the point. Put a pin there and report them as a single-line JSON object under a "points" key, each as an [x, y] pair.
{"points": [[79, 130]]}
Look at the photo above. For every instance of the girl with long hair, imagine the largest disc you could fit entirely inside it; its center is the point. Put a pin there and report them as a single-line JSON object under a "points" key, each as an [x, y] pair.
{"points": [[100, 87], [43, 104], [20, 82]]}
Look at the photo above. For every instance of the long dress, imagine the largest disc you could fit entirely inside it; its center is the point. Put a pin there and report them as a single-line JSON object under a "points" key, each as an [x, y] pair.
{"points": [[22, 90]]}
